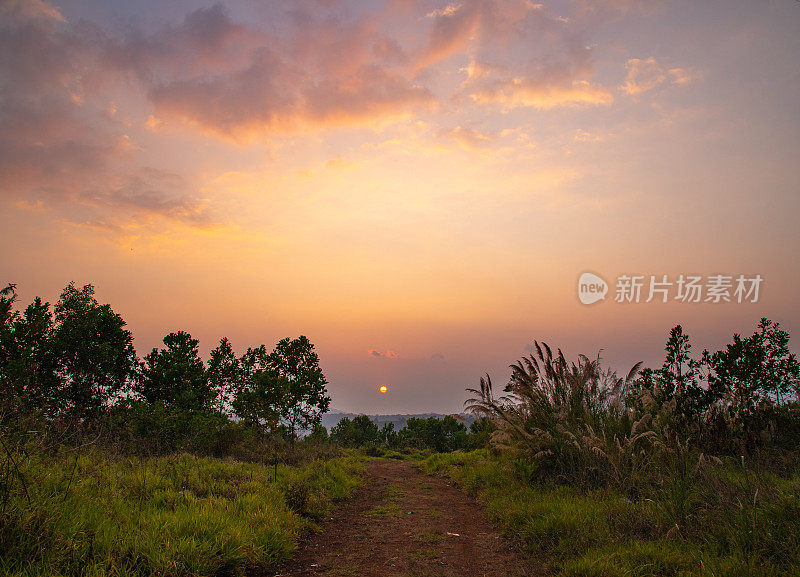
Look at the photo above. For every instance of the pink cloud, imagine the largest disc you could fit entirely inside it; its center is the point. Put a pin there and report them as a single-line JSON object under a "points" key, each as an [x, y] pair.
{"points": [[389, 354]]}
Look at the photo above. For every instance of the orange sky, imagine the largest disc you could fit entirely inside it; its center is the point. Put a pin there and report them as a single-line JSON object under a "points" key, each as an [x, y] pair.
{"points": [[416, 186]]}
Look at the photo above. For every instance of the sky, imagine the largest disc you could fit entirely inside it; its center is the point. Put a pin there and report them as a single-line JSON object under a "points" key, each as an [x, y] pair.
{"points": [[417, 186]]}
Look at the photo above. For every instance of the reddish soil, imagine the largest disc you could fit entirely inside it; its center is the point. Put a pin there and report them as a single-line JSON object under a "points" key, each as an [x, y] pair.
{"points": [[401, 522]]}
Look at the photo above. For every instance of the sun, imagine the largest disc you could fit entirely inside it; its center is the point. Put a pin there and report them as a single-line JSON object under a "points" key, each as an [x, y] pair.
{"points": [[384, 389]]}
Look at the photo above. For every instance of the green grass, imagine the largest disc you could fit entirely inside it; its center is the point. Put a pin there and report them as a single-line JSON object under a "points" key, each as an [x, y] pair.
{"points": [[170, 516], [390, 510], [429, 537], [391, 498], [424, 554], [734, 522]]}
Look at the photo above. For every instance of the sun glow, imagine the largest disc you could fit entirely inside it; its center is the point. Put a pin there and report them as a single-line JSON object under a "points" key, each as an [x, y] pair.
{"points": [[383, 389]]}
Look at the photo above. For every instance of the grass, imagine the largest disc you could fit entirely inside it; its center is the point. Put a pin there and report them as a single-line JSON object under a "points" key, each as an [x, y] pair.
{"points": [[424, 554], [734, 522], [391, 508], [172, 516], [429, 537]]}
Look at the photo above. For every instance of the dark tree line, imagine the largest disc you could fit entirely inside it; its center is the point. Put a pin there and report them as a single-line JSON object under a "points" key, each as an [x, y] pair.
{"points": [[76, 362], [441, 435]]}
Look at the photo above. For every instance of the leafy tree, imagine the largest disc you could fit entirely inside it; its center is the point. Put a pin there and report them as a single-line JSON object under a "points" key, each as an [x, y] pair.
{"points": [[387, 436], [95, 353], [259, 390], [355, 432], [259, 400], [440, 435], [305, 399], [175, 375], [33, 370], [755, 371], [480, 432], [223, 375], [318, 433], [681, 384], [251, 362]]}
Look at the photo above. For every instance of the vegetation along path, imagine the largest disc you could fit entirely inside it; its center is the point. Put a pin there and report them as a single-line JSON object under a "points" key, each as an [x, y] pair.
{"points": [[401, 522]]}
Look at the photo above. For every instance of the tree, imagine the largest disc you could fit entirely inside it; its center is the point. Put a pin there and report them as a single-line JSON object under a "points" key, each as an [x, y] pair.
{"points": [[175, 375], [258, 401], [32, 370], [355, 432], [387, 436], [306, 399], [96, 358], [223, 375], [441, 435], [480, 432], [757, 370]]}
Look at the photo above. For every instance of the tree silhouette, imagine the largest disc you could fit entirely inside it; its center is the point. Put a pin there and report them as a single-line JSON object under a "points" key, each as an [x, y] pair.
{"points": [[175, 375], [223, 375], [306, 399], [95, 353]]}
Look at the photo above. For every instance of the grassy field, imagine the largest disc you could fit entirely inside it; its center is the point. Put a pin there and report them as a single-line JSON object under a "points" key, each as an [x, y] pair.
{"points": [[96, 515], [734, 522]]}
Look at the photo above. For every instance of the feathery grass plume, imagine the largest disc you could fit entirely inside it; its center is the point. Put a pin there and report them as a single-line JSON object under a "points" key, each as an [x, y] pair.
{"points": [[564, 416]]}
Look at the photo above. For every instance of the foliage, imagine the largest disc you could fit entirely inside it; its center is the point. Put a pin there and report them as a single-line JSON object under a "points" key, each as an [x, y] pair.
{"points": [[304, 398], [580, 424], [713, 519], [562, 416], [223, 375], [480, 432], [94, 351], [95, 514], [440, 435], [755, 371], [72, 362], [691, 468], [28, 365], [174, 375], [259, 403], [95, 478], [356, 432], [431, 434]]}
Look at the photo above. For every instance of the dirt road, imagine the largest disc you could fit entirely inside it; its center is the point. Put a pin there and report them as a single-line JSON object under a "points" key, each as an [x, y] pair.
{"points": [[404, 523]]}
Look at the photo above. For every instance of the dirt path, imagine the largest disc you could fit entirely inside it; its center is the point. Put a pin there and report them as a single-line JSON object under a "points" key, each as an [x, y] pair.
{"points": [[403, 523]]}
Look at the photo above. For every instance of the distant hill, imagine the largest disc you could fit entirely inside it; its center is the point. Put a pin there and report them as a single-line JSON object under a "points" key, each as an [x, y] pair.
{"points": [[329, 420]]}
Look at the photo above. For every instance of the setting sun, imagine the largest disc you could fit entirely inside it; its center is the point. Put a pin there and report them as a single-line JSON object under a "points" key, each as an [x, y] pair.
{"points": [[383, 389]]}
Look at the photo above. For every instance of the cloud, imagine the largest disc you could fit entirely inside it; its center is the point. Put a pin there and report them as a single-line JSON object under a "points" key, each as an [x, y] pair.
{"points": [[644, 75], [389, 354], [475, 27], [243, 82], [529, 92], [27, 10], [558, 71], [437, 357], [682, 76], [596, 7], [466, 138], [453, 27], [69, 89], [153, 192], [448, 10], [582, 135], [62, 146]]}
